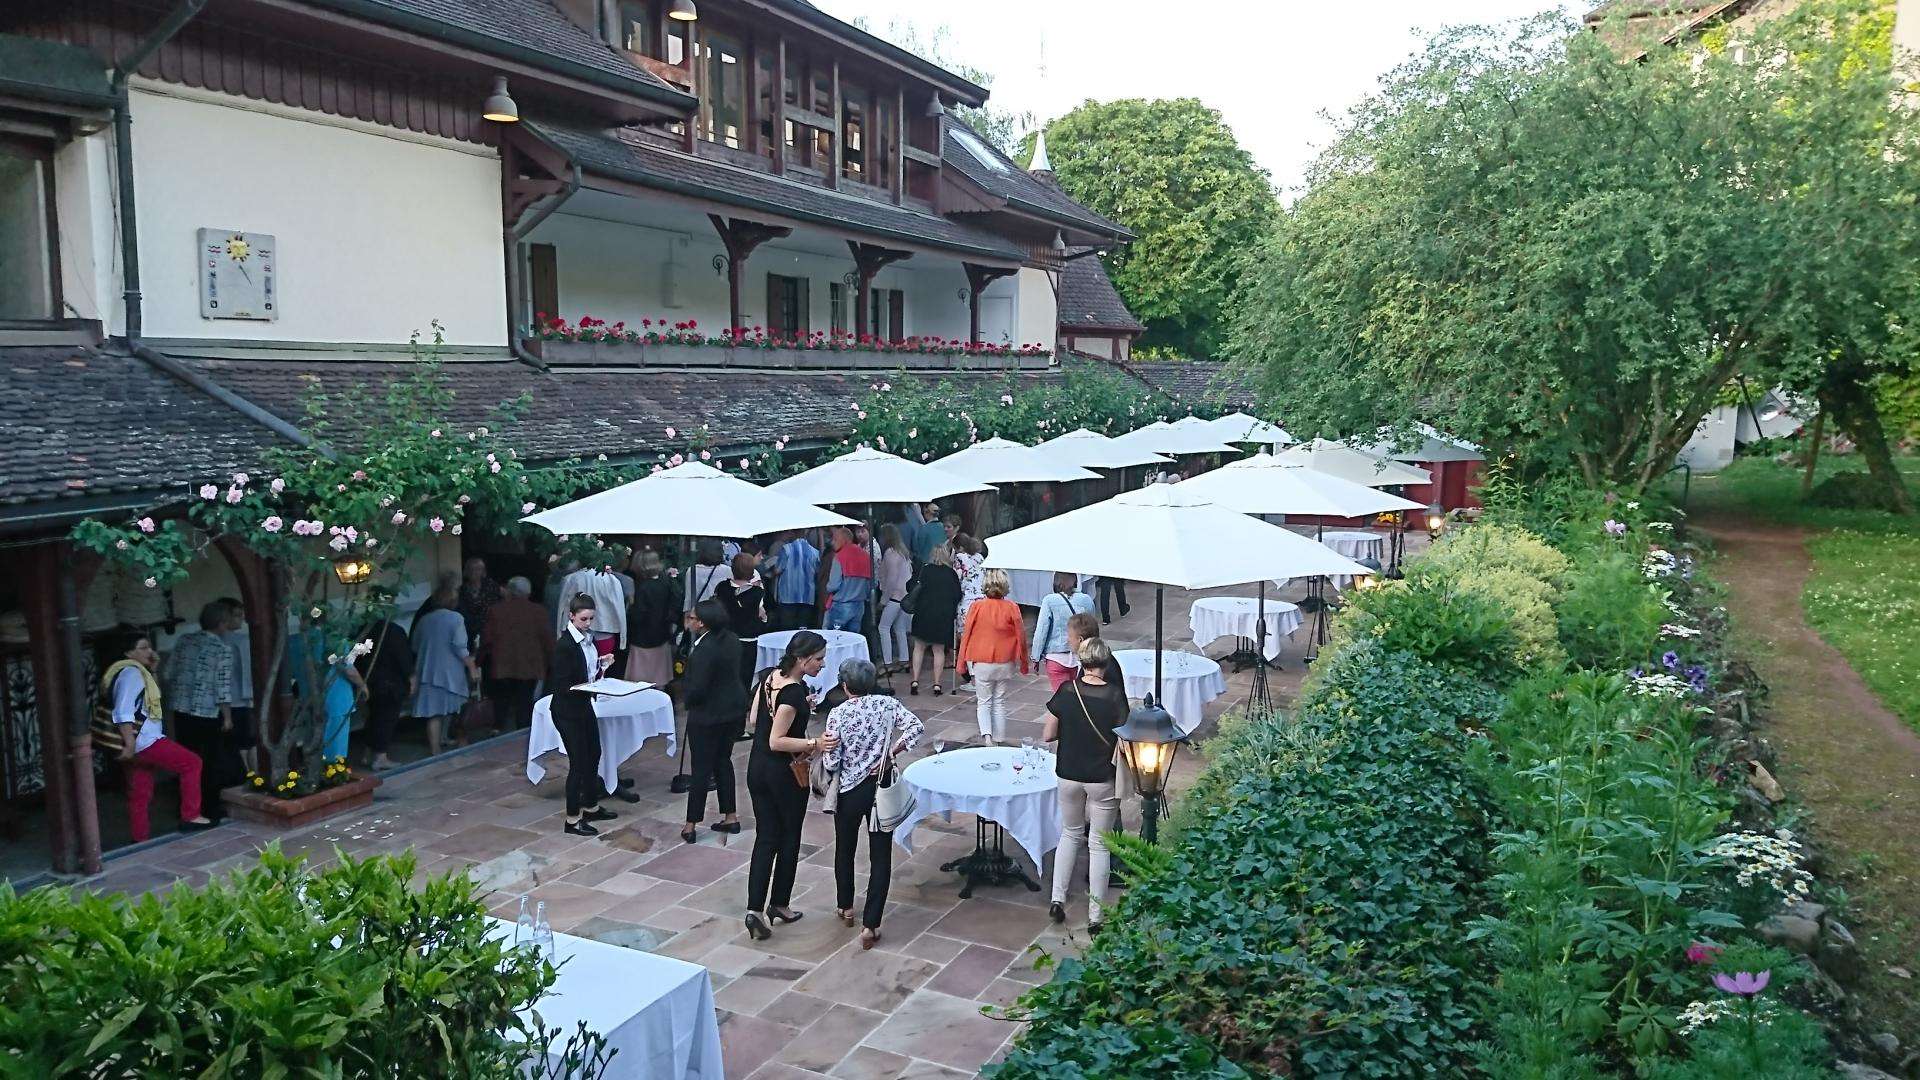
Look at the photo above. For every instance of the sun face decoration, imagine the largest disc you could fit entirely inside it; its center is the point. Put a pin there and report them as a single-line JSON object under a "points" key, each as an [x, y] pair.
{"points": [[237, 248]]}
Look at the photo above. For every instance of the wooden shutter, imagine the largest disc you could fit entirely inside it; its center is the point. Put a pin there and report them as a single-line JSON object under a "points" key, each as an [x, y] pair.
{"points": [[543, 279]]}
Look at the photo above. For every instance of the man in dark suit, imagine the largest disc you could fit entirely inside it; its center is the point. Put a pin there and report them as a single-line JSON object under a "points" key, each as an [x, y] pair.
{"points": [[716, 698], [575, 661]]}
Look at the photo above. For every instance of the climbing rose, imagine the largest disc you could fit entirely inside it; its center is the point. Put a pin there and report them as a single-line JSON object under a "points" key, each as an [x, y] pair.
{"points": [[277, 486], [208, 491], [455, 530], [272, 524], [150, 583], [526, 508], [436, 524], [240, 478], [146, 524], [399, 517], [338, 543]]}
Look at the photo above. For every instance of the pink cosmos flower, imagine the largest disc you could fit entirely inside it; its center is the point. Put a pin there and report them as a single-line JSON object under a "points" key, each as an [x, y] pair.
{"points": [[272, 524], [863, 414], [146, 524], [1744, 983], [464, 499], [351, 533], [434, 434], [372, 543]]}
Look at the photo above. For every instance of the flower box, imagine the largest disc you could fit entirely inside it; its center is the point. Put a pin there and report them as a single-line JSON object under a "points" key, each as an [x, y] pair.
{"points": [[281, 813], [635, 355]]}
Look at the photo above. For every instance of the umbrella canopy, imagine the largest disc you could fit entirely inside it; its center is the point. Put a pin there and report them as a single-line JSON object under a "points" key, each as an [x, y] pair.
{"points": [[1238, 427], [1264, 484], [1343, 461], [872, 476], [1164, 438], [1003, 461], [1165, 536], [694, 499], [1092, 450], [1435, 446]]}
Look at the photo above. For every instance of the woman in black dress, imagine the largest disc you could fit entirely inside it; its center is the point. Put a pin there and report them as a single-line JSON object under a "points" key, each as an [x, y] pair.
{"points": [[778, 718], [935, 593], [744, 597]]}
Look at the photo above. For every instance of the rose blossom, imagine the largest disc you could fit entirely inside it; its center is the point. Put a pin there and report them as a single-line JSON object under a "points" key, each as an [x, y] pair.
{"points": [[121, 545], [272, 524], [338, 543], [240, 478], [146, 524], [399, 517], [277, 486], [526, 508], [455, 530], [209, 492], [150, 583], [436, 524]]}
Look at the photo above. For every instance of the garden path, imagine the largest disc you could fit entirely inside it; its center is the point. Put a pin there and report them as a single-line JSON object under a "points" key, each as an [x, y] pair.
{"points": [[1847, 756]]}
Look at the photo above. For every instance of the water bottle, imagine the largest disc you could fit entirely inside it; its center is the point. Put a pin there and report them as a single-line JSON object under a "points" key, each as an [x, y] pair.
{"points": [[523, 926], [542, 931]]}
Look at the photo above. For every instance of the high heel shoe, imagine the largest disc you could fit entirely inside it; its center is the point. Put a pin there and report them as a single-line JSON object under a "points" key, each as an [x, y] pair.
{"points": [[869, 938], [846, 916], [787, 916], [913, 689], [936, 690], [757, 928]]}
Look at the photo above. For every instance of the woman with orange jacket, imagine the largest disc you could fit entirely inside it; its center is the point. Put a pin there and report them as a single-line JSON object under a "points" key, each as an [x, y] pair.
{"points": [[992, 646]]}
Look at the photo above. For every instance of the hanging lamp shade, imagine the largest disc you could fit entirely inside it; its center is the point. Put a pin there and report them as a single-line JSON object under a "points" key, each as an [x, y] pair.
{"points": [[682, 10], [500, 106]]}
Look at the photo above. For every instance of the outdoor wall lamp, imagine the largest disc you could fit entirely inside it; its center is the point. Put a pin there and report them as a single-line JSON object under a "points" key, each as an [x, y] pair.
{"points": [[1436, 520], [1152, 740], [683, 10], [500, 106], [352, 570]]}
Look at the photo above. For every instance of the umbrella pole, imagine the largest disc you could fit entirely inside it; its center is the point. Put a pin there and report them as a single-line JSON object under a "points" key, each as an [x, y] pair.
{"points": [[682, 780], [1257, 700], [1159, 599]]}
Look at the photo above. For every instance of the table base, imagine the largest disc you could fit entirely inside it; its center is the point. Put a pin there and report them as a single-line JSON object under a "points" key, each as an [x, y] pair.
{"points": [[988, 865]]}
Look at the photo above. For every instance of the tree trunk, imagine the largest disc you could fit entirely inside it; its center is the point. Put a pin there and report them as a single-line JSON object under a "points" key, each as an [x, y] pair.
{"points": [[1813, 450], [1855, 413]]}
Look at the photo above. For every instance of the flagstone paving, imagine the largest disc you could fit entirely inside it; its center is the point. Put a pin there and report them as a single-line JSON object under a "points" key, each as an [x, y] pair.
{"points": [[929, 1001]]}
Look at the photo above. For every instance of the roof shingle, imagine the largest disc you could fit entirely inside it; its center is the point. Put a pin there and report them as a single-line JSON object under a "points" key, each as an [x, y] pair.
{"points": [[1088, 300], [997, 173]]}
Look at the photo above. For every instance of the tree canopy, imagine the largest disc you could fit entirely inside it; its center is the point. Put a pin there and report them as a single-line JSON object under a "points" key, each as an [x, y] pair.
{"points": [[1171, 171], [1534, 243]]}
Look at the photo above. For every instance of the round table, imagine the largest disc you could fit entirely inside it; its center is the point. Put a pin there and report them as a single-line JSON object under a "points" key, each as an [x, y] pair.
{"points": [[1188, 680], [1029, 587], [1356, 545], [1214, 617], [625, 723], [1005, 802], [842, 645]]}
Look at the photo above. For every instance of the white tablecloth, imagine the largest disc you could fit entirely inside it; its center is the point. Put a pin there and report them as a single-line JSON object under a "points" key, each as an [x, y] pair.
{"points": [[954, 781], [1355, 545], [625, 723], [655, 1010], [1029, 587], [842, 645], [1214, 617], [1188, 680]]}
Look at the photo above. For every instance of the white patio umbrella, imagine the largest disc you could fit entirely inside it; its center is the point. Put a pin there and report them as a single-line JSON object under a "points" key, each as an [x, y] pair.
{"points": [[1003, 461], [1164, 438], [1339, 459], [1434, 446], [1238, 427], [1165, 535], [872, 476], [1092, 450], [1265, 484], [694, 499]]}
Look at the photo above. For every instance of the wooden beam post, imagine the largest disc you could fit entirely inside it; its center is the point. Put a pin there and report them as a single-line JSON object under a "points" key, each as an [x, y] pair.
{"points": [[978, 278], [740, 238], [780, 106], [898, 150], [868, 261], [839, 130]]}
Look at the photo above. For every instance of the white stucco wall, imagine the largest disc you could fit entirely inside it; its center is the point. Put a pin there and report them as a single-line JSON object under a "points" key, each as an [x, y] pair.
{"points": [[1037, 309], [1711, 448], [625, 272], [378, 233], [89, 253]]}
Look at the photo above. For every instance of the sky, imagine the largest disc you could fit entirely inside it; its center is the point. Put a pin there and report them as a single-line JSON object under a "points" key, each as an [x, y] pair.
{"points": [[1271, 67]]}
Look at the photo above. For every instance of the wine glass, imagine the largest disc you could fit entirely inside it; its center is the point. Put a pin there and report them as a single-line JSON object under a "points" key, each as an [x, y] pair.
{"points": [[1018, 764]]}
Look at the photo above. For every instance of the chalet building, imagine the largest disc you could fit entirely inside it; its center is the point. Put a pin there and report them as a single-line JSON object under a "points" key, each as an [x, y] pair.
{"points": [[208, 207]]}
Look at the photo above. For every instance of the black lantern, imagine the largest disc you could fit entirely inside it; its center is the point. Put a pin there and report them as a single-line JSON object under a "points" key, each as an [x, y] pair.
{"points": [[1370, 579], [352, 570], [1151, 739], [1436, 520]]}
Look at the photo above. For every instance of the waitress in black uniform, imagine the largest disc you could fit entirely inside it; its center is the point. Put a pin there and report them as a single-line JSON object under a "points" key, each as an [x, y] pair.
{"points": [[576, 661], [782, 705]]}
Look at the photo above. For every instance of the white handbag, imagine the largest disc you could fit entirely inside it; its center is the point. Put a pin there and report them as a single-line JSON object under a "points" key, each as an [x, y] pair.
{"points": [[893, 800]]}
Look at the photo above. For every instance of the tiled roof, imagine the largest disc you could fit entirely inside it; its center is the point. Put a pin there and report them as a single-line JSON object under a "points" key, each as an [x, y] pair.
{"points": [[1015, 184], [1194, 381], [581, 413], [507, 28], [1088, 300], [602, 154], [77, 423]]}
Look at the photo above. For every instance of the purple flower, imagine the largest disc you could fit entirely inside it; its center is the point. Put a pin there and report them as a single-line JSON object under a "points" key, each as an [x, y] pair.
{"points": [[1635, 672], [1616, 528], [1744, 983], [1670, 660]]}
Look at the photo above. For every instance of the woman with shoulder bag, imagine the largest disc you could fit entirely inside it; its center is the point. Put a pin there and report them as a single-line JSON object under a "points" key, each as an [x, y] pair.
{"points": [[1082, 716], [870, 730], [777, 780]]}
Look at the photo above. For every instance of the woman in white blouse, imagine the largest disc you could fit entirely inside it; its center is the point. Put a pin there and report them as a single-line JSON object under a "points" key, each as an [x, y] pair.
{"points": [[872, 729]]}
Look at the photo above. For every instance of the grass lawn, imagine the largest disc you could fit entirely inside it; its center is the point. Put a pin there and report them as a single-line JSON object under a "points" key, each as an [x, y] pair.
{"points": [[1864, 595]]}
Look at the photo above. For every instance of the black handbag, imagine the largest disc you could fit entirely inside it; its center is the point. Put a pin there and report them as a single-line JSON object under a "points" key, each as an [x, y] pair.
{"points": [[914, 588]]}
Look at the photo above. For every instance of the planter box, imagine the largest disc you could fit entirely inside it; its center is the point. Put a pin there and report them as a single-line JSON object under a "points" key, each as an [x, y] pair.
{"points": [[293, 813], [622, 354]]}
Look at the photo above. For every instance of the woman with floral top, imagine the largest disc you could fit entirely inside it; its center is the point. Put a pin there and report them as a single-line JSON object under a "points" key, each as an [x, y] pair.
{"points": [[872, 730], [969, 559]]}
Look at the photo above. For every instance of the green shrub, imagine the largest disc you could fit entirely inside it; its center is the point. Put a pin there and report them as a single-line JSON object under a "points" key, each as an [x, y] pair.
{"points": [[1610, 615], [1527, 602], [273, 971], [1852, 491], [1436, 621], [1308, 921], [1493, 546]]}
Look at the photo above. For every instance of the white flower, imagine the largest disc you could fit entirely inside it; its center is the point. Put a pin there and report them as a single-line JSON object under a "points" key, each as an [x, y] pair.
{"points": [[150, 583], [1676, 630], [277, 486], [455, 530], [464, 500], [1633, 506], [1659, 684], [316, 613], [121, 545], [240, 479], [371, 542], [209, 492], [272, 524], [1660, 526], [332, 659], [399, 517], [526, 508], [434, 434], [338, 543]]}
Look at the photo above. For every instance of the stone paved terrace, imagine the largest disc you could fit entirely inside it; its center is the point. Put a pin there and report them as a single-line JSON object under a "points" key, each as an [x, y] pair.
{"points": [[807, 1003]]}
